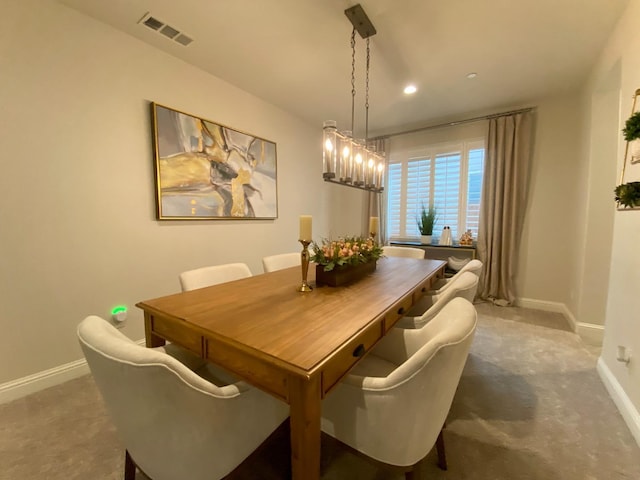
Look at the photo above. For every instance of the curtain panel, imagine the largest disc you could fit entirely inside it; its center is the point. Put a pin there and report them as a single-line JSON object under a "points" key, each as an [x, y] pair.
{"points": [[504, 197]]}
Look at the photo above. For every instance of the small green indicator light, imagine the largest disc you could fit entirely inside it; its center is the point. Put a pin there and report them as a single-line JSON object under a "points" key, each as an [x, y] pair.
{"points": [[118, 309]]}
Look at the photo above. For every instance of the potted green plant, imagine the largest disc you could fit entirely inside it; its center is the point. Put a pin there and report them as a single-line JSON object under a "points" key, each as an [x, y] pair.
{"points": [[631, 132], [426, 221], [628, 194]]}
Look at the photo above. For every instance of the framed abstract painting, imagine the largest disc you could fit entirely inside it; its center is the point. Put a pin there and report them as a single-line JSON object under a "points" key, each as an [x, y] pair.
{"points": [[206, 171]]}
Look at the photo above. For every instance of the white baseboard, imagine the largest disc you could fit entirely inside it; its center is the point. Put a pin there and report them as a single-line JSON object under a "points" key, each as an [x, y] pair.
{"points": [[620, 398], [548, 306], [545, 305], [24, 386], [39, 381], [591, 333]]}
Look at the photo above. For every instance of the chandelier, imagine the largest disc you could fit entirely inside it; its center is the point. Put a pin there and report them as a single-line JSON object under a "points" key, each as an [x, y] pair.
{"points": [[346, 160]]}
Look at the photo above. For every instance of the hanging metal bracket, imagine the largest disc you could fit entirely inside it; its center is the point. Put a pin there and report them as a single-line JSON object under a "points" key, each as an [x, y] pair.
{"points": [[360, 21]]}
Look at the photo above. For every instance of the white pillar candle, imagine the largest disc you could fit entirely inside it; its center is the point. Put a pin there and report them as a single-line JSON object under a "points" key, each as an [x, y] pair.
{"points": [[305, 227], [373, 225]]}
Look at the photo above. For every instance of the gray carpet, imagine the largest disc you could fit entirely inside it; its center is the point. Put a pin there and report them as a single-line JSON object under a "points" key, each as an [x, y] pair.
{"points": [[530, 405]]}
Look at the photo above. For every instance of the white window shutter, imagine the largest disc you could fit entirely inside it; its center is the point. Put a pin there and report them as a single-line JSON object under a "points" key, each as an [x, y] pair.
{"points": [[447, 191], [394, 199], [474, 189], [446, 176], [418, 188]]}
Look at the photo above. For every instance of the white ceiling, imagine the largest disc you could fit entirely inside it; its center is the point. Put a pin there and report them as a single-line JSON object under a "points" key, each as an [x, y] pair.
{"points": [[296, 53]]}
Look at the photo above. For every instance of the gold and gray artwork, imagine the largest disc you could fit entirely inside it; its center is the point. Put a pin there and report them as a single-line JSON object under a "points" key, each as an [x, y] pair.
{"points": [[206, 170]]}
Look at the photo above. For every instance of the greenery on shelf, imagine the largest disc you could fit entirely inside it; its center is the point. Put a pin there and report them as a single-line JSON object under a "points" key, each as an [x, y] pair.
{"points": [[628, 194], [427, 220], [631, 128], [345, 251]]}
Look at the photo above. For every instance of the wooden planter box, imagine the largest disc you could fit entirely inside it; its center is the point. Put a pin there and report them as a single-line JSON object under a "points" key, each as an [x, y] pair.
{"points": [[343, 274]]}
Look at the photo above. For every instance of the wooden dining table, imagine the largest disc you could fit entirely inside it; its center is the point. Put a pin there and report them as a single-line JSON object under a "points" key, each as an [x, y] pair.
{"points": [[294, 345]]}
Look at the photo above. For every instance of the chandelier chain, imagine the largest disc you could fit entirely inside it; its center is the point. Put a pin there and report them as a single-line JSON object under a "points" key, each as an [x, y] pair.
{"points": [[353, 78], [366, 102]]}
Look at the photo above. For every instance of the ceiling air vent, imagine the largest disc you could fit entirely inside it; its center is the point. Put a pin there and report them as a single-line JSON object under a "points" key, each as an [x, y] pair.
{"points": [[182, 39], [166, 30], [169, 32], [153, 23]]}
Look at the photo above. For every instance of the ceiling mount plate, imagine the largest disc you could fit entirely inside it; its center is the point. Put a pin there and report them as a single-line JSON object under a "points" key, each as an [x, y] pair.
{"points": [[360, 21]]}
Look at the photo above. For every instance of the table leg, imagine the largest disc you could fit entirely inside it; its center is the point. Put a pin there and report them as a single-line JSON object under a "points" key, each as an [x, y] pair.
{"points": [[151, 339], [306, 409]]}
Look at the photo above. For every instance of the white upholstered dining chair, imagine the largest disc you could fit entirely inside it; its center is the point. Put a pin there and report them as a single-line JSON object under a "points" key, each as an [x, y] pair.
{"points": [[178, 418], [393, 405], [407, 252], [272, 263], [474, 266], [207, 276], [465, 286]]}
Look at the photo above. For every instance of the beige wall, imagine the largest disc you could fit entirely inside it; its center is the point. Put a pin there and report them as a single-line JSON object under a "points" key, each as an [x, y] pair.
{"points": [[77, 228], [622, 321], [597, 236], [548, 236]]}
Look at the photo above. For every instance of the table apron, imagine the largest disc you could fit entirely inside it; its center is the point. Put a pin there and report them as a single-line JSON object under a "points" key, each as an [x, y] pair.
{"points": [[259, 371]]}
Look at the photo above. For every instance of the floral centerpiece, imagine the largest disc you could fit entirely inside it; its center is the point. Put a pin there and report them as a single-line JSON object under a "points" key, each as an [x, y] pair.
{"points": [[340, 261], [345, 251]]}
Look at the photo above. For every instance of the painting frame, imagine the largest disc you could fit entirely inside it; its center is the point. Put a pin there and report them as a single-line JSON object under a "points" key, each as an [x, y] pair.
{"points": [[205, 170]]}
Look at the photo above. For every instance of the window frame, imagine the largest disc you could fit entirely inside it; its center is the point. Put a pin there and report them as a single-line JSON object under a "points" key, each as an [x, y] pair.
{"points": [[431, 152]]}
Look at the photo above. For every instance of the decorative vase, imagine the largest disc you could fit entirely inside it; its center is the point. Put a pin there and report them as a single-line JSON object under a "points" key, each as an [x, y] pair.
{"points": [[343, 274], [425, 239]]}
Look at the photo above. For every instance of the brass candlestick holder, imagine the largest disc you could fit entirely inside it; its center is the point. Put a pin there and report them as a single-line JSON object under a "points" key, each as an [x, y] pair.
{"points": [[304, 263]]}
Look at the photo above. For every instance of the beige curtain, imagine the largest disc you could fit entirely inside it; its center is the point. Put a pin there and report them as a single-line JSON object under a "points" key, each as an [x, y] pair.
{"points": [[373, 204], [504, 196]]}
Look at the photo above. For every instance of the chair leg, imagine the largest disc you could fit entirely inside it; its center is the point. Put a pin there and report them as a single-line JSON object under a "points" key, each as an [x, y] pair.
{"points": [[129, 467], [442, 458]]}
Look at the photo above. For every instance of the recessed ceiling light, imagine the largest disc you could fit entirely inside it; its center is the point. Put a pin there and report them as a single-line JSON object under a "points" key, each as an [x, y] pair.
{"points": [[410, 89], [472, 75]]}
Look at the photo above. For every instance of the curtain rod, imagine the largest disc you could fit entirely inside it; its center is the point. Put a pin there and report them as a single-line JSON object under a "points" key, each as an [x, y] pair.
{"points": [[451, 124]]}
